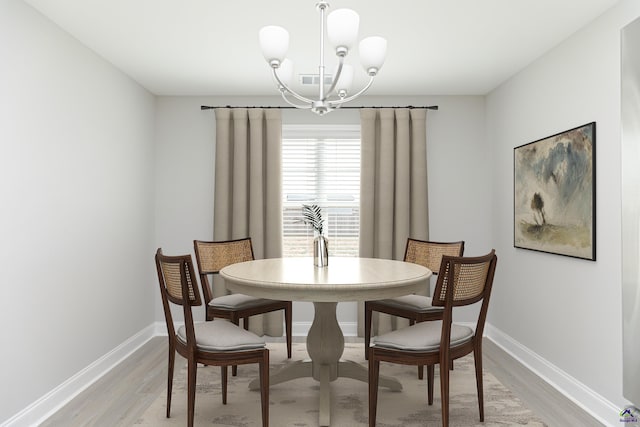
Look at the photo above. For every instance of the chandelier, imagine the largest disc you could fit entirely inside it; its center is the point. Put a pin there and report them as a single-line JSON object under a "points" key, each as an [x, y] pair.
{"points": [[341, 27]]}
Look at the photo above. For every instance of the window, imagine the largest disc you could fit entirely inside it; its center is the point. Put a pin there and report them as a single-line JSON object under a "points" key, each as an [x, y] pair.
{"points": [[321, 165]]}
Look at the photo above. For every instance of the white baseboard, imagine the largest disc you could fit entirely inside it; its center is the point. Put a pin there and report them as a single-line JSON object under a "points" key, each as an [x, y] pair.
{"points": [[160, 329], [48, 404], [590, 401]]}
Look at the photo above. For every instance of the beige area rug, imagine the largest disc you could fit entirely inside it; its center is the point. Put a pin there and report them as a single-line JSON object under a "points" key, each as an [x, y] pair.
{"points": [[295, 403]]}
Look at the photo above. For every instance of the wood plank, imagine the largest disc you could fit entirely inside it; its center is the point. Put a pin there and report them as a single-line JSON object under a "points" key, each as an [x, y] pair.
{"points": [[122, 395], [548, 403]]}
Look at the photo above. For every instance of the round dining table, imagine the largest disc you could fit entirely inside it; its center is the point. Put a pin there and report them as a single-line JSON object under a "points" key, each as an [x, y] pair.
{"points": [[344, 279]]}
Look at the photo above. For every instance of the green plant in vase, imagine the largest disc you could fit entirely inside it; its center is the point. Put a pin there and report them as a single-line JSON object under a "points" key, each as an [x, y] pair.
{"points": [[312, 216]]}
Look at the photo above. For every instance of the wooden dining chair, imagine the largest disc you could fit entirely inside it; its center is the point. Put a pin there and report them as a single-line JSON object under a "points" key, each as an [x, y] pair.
{"points": [[213, 256], [416, 308], [461, 281], [217, 343]]}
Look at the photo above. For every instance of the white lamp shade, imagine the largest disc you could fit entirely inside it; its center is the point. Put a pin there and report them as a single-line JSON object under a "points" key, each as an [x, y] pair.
{"points": [[285, 72], [274, 42], [372, 53], [342, 28], [345, 80]]}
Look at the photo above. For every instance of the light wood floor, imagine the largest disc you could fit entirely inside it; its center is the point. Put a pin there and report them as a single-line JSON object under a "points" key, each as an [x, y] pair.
{"points": [[123, 395]]}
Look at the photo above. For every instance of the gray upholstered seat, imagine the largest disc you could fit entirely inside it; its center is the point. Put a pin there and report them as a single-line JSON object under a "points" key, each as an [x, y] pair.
{"points": [[237, 301], [416, 303], [222, 335], [423, 336]]}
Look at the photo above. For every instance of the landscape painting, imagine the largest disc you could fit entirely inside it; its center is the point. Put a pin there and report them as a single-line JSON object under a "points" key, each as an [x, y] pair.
{"points": [[554, 194]]}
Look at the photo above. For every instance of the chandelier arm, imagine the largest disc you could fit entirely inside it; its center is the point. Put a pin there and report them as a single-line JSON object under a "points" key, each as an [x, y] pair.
{"points": [[341, 101], [288, 89], [284, 96], [335, 78]]}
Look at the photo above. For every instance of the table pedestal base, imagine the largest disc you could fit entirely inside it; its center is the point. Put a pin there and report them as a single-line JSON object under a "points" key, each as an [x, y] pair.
{"points": [[325, 345]]}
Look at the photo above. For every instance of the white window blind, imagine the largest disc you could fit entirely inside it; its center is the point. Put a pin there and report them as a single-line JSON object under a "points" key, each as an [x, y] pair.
{"points": [[321, 165]]}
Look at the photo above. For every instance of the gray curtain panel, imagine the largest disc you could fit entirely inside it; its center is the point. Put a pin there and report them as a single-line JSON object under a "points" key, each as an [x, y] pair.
{"points": [[393, 190], [248, 190]]}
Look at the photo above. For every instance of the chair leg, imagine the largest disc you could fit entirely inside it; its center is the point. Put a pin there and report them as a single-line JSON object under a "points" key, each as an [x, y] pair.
{"points": [[444, 393], [223, 379], [192, 367], [288, 317], [420, 367], [367, 328], [374, 372], [236, 321], [264, 388], [430, 378], [172, 358], [477, 357]]}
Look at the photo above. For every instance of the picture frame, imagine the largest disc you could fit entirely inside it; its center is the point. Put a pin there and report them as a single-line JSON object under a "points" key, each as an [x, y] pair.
{"points": [[555, 194]]}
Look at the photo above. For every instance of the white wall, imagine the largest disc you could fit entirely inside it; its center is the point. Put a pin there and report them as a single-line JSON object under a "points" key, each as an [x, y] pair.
{"points": [[630, 111], [459, 176], [565, 310], [76, 216]]}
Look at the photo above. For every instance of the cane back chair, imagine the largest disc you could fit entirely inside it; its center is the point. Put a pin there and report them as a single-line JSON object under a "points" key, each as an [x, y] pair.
{"points": [[217, 343], [416, 308], [462, 281], [213, 256]]}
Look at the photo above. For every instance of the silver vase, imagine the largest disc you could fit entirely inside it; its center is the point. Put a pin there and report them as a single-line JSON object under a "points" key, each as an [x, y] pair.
{"points": [[320, 251]]}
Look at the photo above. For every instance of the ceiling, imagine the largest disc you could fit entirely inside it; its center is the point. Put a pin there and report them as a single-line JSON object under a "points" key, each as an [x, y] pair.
{"points": [[210, 47]]}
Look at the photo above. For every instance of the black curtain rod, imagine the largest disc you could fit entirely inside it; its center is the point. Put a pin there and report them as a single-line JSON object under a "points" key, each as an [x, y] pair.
{"points": [[411, 107]]}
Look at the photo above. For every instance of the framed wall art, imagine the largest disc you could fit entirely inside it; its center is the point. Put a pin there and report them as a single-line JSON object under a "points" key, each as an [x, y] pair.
{"points": [[555, 194]]}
